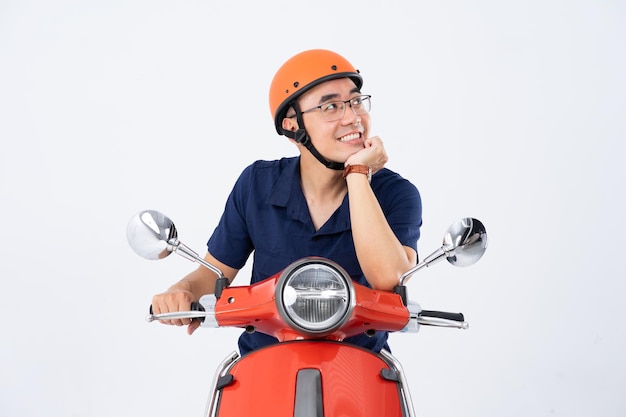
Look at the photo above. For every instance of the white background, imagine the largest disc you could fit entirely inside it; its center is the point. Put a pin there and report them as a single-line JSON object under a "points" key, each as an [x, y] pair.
{"points": [[511, 112]]}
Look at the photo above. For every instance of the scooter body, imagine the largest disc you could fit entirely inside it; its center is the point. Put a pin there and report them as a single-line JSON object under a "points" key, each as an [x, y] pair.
{"points": [[310, 372], [311, 307]]}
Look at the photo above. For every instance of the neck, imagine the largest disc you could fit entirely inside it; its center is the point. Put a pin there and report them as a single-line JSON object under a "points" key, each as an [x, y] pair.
{"points": [[318, 180]]}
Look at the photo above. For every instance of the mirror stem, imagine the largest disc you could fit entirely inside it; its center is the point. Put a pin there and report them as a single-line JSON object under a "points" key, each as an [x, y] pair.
{"points": [[430, 259], [188, 253]]}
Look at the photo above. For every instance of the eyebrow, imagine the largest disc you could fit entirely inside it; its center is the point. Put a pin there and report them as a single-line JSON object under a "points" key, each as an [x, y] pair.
{"points": [[328, 97]]}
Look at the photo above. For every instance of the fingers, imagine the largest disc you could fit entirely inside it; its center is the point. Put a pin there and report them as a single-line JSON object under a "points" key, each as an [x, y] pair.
{"points": [[373, 154], [374, 140], [173, 301], [192, 327], [378, 153]]}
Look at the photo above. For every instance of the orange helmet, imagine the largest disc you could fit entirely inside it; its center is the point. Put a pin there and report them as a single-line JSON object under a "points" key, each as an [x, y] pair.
{"points": [[302, 72]]}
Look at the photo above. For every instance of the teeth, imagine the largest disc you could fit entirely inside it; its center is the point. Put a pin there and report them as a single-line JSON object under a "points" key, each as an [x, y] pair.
{"points": [[347, 138]]}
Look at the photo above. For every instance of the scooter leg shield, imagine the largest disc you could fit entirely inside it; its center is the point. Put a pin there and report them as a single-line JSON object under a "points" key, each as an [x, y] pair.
{"points": [[306, 378]]}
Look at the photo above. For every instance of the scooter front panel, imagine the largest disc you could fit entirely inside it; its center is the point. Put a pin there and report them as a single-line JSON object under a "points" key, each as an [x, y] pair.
{"points": [[265, 383]]}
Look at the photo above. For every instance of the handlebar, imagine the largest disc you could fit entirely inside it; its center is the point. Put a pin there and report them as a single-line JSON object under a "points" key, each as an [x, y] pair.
{"points": [[442, 315], [205, 312], [442, 319], [196, 311]]}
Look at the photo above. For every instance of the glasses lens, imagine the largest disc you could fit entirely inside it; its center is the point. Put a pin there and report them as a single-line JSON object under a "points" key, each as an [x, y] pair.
{"points": [[361, 104], [336, 110], [333, 110]]}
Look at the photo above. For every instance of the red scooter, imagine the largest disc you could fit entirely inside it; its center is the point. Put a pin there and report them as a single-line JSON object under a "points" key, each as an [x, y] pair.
{"points": [[310, 307]]}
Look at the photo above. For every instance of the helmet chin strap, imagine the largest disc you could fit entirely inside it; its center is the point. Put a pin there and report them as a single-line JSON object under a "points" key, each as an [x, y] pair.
{"points": [[303, 138]]}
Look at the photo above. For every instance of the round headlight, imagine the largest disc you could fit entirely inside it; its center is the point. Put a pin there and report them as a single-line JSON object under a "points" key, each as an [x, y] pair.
{"points": [[314, 296]]}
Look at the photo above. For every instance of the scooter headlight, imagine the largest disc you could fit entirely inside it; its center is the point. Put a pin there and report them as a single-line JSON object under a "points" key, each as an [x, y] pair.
{"points": [[315, 296]]}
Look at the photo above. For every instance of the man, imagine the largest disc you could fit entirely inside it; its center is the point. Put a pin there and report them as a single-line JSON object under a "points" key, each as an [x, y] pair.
{"points": [[335, 200]]}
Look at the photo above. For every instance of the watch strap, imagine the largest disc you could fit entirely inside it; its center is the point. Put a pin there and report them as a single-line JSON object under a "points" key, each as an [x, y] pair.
{"points": [[359, 169]]}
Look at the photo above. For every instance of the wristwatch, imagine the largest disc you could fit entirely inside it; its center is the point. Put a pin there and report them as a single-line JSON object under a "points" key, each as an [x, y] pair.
{"points": [[359, 169]]}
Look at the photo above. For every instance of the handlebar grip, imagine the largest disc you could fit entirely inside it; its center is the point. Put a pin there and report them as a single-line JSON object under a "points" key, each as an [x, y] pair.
{"points": [[442, 315], [195, 306]]}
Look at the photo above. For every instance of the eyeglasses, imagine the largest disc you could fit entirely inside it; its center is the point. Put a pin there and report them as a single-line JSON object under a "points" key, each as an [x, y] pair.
{"points": [[335, 110]]}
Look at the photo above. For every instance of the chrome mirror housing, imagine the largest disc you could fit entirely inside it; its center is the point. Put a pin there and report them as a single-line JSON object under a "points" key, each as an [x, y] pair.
{"points": [[464, 244]]}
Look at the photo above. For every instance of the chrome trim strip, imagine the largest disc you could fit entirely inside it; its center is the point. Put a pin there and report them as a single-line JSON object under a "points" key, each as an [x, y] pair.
{"points": [[404, 386], [214, 394]]}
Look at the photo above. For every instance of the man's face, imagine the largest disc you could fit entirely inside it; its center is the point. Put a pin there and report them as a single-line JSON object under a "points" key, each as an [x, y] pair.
{"points": [[338, 139]]}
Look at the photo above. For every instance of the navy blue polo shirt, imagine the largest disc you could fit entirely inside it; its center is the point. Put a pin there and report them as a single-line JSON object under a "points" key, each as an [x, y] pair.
{"points": [[266, 215]]}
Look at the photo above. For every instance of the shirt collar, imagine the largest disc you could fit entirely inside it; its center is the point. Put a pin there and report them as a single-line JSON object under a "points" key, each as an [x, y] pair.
{"points": [[287, 184], [287, 192]]}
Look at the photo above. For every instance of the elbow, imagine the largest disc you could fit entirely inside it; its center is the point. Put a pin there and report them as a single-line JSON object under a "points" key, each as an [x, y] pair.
{"points": [[385, 287], [385, 282]]}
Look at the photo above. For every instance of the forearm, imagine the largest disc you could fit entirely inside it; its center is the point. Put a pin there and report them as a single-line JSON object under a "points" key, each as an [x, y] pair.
{"points": [[190, 288], [381, 256], [198, 282], [202, 281]]}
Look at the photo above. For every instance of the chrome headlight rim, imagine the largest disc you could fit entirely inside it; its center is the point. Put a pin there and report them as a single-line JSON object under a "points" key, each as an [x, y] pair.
{"points": [[304, 264]]}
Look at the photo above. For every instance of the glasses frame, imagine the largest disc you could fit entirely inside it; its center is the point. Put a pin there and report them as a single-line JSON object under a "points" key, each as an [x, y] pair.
{"points": [[363, 97]]}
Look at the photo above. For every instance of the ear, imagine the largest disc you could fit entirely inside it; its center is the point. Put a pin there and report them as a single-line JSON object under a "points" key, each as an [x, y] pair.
{"points": [[290, 124]]}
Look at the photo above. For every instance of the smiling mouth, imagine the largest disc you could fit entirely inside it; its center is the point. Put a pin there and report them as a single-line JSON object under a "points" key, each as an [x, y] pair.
{"points": [[350, 137]]}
